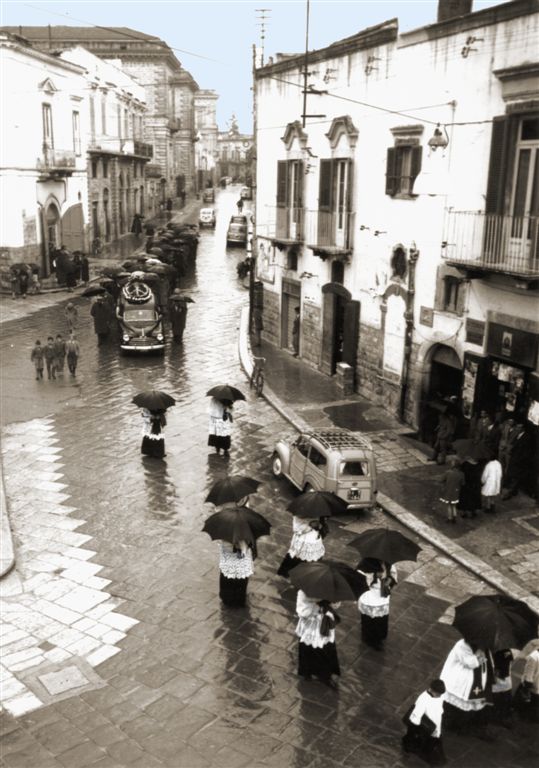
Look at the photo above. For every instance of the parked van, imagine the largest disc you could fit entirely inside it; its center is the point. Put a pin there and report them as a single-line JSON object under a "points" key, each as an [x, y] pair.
{"points": [[334, 460]]}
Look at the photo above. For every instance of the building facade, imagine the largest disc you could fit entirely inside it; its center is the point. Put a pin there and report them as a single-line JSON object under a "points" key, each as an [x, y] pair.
{"points": [[206, 149], [117, 154], [169, 93], [43, 154], [408, 233], [235, 153]]}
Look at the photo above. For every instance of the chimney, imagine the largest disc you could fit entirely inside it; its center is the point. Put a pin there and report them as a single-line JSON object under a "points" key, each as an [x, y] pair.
{"points": [[451, 9]]}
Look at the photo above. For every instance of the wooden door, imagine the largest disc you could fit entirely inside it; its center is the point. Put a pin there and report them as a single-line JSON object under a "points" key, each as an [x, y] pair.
{"points": [[73, 228], [351, 333]]}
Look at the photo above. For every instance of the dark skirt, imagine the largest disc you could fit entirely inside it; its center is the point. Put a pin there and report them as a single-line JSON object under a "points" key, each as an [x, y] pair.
{"points": [[287, 564], [153, 448], [232, 591], [219, 442], [465, 721], [427, 747], [318, 662], [374, 630]]}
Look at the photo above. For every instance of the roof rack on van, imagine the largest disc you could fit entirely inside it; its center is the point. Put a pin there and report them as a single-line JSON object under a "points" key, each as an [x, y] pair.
{"points": [[341, 438]]}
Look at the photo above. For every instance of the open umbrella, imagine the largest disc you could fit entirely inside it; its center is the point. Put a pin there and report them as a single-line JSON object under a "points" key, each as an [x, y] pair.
{"points": [[467, 449], [231, 488], [328, 580], [313, 504], [235, 524], [225, 392], [387, 545], [496, 622], [94, 290], [153, 400], [156, 250], [111, 271], [181, 297]]}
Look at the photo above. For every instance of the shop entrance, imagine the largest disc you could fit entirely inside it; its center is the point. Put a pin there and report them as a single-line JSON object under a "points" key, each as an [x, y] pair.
{"points": [[445, 386]]}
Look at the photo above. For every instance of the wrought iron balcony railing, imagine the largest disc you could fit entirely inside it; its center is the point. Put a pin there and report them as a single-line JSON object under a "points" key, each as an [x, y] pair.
{"points": [[143, 149], [487, 242], [57, 160], [330, 230]]}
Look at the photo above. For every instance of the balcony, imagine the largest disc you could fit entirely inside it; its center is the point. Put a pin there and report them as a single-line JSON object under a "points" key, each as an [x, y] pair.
{"points": [[57, 162], [142, 149], [153, 171], [480, 243], [330, 233]]}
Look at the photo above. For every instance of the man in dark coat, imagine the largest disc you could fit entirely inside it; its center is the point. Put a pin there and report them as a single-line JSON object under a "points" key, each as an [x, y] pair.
{"points": [[178, 314], [518, 464], [101, 313]]}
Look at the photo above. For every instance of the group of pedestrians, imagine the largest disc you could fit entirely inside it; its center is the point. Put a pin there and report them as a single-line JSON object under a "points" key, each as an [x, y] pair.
{"points": [[70, 268], [54, 354]]}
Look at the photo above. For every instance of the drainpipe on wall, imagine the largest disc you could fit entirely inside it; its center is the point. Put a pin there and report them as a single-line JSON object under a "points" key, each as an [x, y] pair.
{"points": [[408, 334]]}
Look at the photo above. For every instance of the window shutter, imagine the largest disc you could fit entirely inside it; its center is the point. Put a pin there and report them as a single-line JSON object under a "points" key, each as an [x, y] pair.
{"points": [[496, 175], [325, 196], [415, 166], [282, 183], [300, 169], [349, 204], [391, 171], [461, 297]]}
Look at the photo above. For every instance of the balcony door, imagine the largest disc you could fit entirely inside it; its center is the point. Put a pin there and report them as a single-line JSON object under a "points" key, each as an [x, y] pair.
{"points": [[290, 175], [334, 202], [523, 245]]}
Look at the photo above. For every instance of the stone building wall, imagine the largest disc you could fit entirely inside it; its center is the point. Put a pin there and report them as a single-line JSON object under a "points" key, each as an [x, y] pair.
{"points": [[368, 362]]}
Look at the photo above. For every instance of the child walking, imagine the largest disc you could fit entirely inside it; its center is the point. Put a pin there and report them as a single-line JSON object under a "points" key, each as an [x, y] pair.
{"points": [[452, 484], [49, 354], [73, 352], [37, 358]]}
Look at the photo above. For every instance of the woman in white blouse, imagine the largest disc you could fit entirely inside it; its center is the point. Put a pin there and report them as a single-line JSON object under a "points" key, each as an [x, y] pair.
{"points": [[306, 545], [220, 425], [236, 566], [374, 603], [424, 734], [317, 655]]}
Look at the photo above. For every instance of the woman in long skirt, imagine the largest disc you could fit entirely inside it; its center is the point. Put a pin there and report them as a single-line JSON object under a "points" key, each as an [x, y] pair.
{"points": [[306, 545], [236, 566], [220, 425], [317, 652], [374, 603], [153, 439]]}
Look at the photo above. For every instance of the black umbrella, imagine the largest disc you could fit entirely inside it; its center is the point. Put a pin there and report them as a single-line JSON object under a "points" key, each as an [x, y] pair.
{"points": [[225, 392], [313, 504], [384, 544], [94, 290], [180, 297], [496, 622], [153, 400], [235, 524], [156, 250], [231, 489], [328, 580], [467, 449]]}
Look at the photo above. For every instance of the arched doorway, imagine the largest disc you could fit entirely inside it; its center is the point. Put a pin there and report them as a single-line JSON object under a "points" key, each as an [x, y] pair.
{"points": [[444, 385], [340, 328]]}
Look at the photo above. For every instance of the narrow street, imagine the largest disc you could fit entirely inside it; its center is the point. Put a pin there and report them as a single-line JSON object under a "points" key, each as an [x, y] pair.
{"points": [[116, 649]]}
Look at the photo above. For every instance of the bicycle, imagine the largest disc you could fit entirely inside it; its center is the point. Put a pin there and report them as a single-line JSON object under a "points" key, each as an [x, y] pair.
{"points": [[257, 376]]}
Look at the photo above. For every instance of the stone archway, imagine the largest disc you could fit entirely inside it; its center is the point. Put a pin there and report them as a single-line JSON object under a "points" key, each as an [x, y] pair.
{"points": [[440, 367], [340, 328], [52, 232]]}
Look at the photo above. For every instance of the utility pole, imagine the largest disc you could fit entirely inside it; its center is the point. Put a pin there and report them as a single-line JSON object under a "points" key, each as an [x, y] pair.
{"points": [[306, 73], [262, 18]]}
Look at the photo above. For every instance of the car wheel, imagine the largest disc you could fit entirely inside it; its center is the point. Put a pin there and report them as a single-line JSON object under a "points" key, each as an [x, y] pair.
{"points": [[276, 465]]}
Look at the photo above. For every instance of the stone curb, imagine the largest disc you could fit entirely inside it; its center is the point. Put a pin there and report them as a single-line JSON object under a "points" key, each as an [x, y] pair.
{"points": [[7, 551], [447, 546]]}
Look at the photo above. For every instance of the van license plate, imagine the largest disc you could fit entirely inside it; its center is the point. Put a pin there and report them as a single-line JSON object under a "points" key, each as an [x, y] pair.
{"points": [[354, 494]]}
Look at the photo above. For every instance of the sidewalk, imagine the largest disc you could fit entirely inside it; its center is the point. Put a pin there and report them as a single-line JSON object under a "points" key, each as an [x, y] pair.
{"points": [[503, 548]]}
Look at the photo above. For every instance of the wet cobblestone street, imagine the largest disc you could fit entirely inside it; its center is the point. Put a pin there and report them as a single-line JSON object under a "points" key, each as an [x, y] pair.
{"points": [[116, 587]]}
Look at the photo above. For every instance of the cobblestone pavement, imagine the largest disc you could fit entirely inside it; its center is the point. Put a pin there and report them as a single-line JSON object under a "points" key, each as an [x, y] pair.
{"points": [[508, 541], [116, 649]]}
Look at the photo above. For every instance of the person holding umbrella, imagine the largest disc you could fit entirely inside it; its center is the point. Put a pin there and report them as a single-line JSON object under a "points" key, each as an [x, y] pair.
{"points": [[177, 308], [222, 400], [321, 587], [309, 528], [380, 547], [153, 404], [237, 529]]}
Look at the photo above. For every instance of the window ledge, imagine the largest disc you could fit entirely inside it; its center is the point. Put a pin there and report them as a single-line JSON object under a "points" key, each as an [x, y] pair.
{"points": [[405, 196], [449, 312]]}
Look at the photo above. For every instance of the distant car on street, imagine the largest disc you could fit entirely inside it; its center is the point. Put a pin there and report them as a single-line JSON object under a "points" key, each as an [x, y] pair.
{"points": [[237, 231], [246, 193], [334, 460], [208, 196], [206, 218]]}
